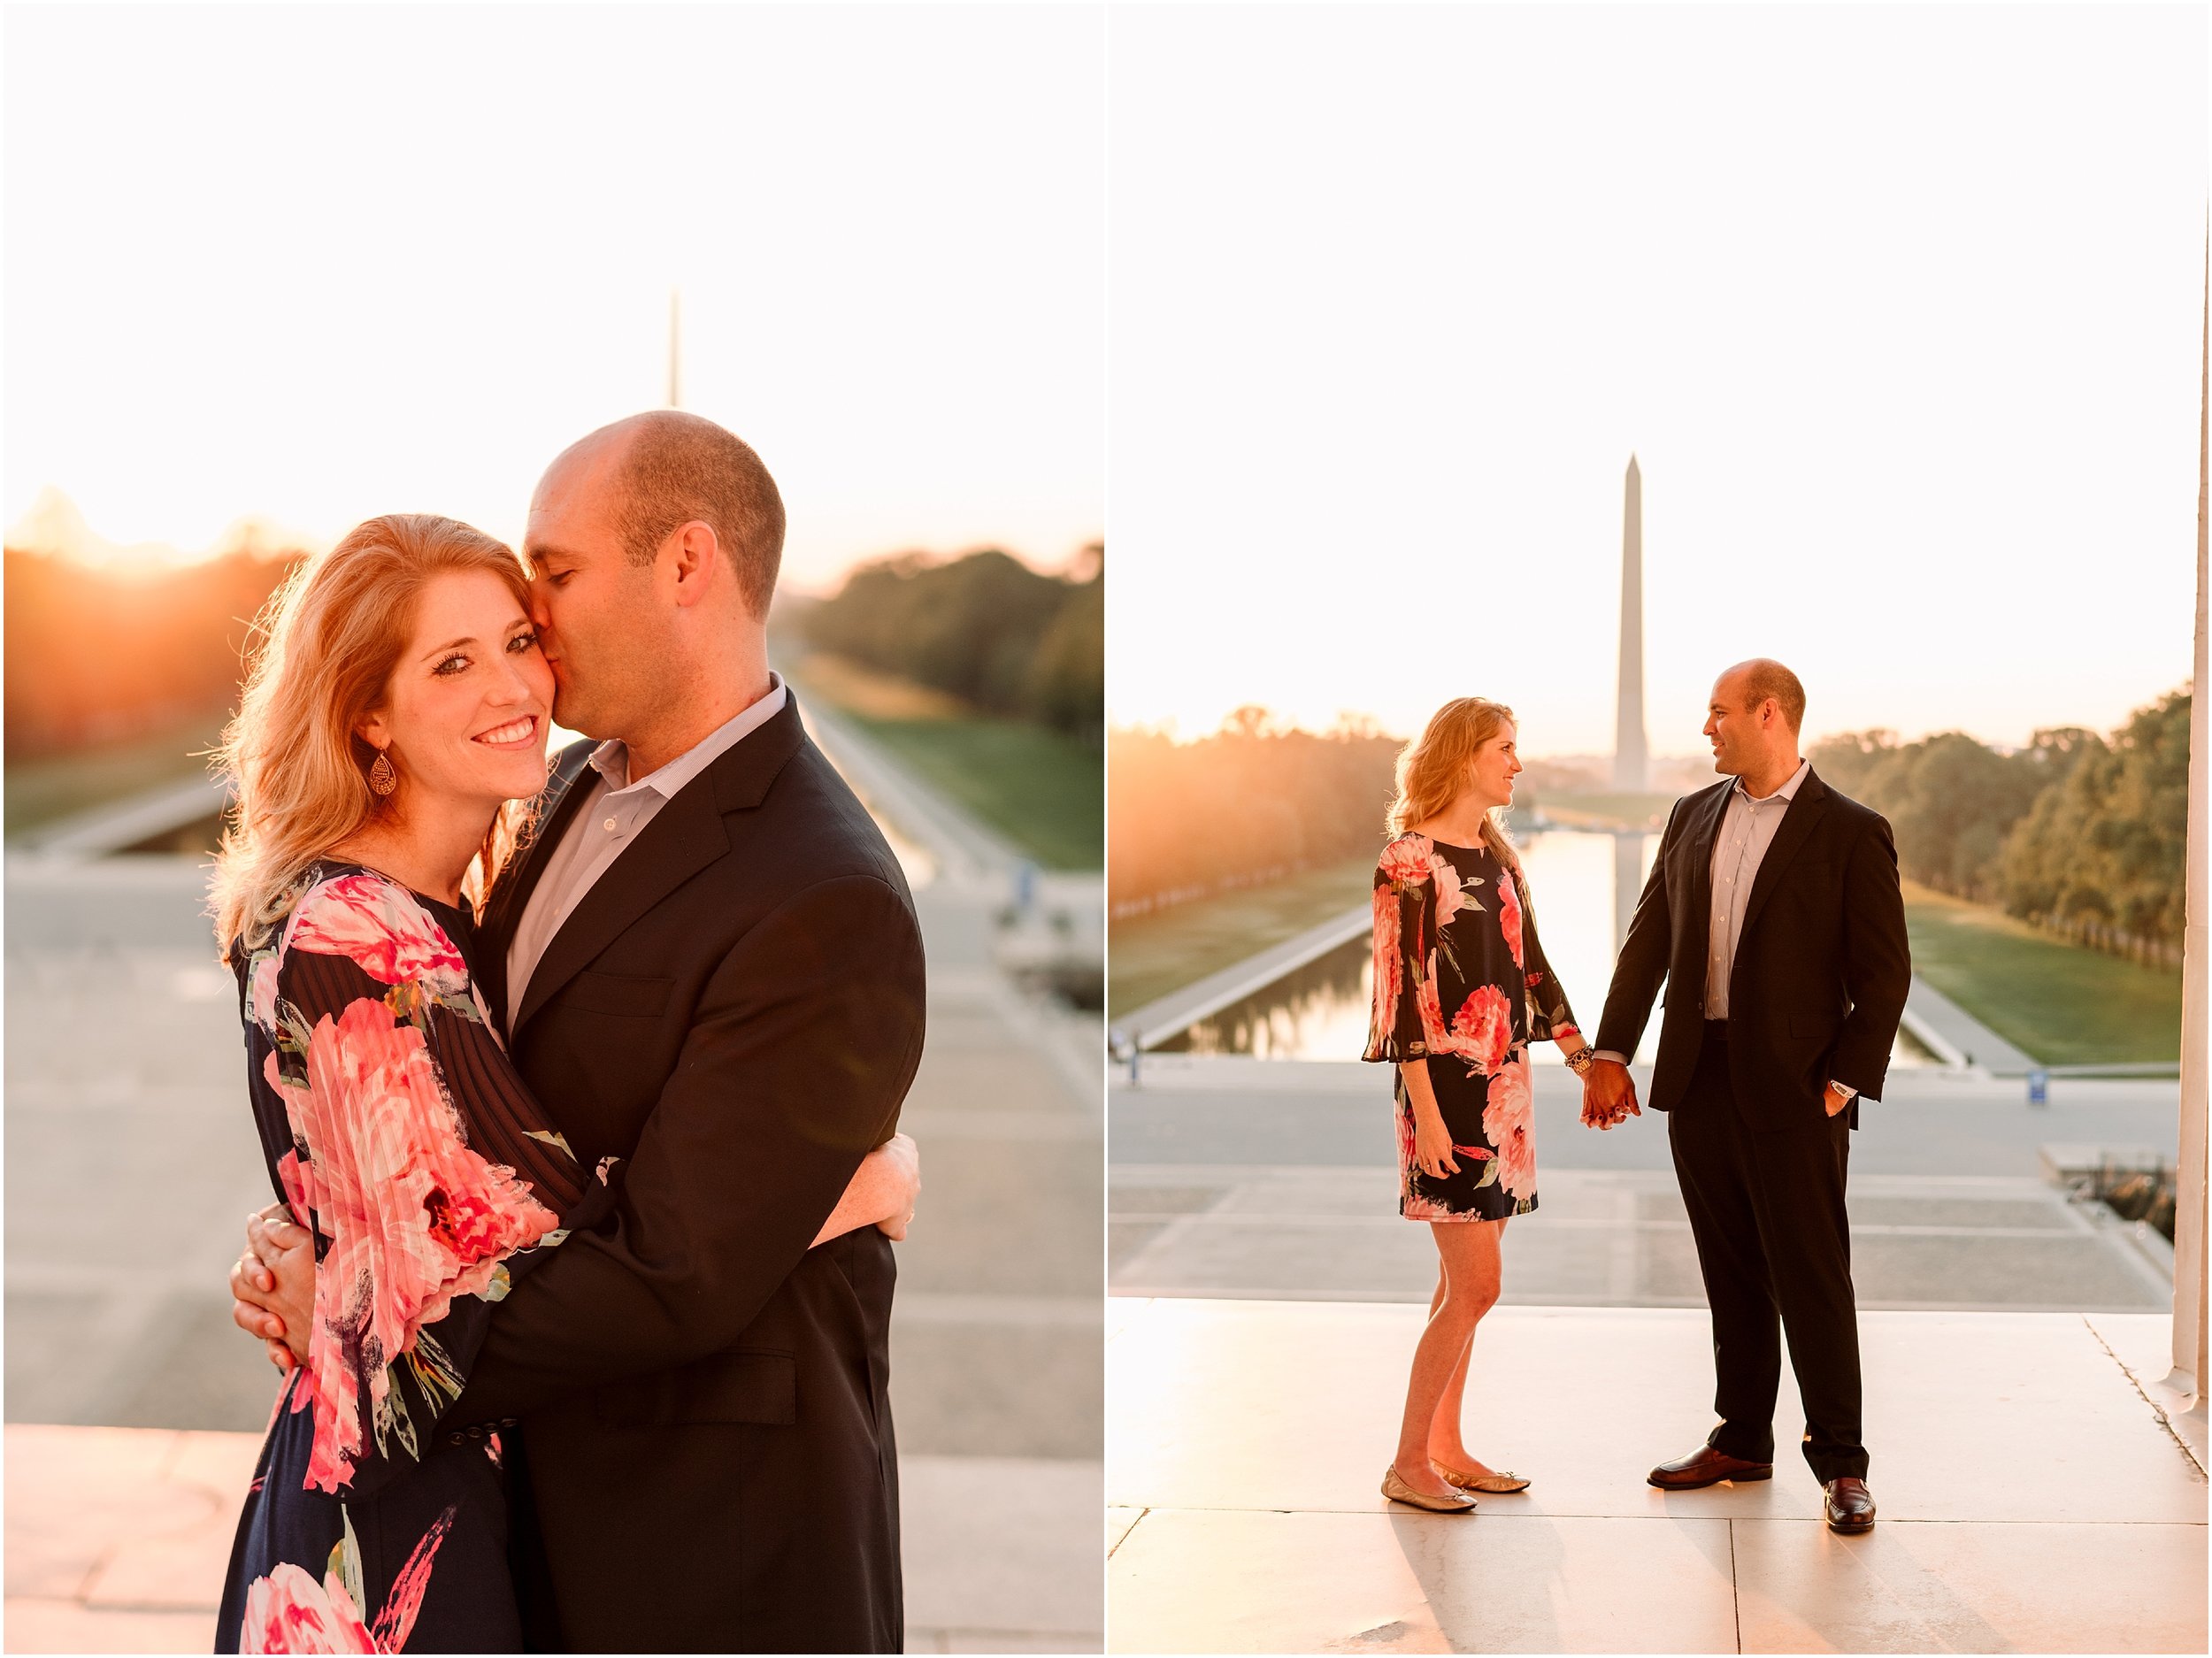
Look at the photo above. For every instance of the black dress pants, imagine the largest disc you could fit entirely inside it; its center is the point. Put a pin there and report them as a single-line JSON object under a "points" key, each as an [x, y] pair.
{"points": [[1774, 1245]]}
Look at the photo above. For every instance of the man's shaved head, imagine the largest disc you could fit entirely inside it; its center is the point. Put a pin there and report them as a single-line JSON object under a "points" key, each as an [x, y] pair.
{"points": [[669, 469], [1761, 678]]}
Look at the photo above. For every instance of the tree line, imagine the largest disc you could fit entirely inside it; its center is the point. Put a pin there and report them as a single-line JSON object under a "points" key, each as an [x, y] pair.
{"points": [[2080, 834], [985, 628], [95, 657], [1250, 804]]}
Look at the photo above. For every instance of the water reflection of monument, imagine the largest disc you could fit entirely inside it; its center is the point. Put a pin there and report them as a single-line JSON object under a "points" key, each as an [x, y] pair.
{"points": [[1632, 763]]}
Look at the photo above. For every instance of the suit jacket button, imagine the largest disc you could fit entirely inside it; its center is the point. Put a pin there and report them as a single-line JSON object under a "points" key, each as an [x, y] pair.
{"points": [[457, 1438], [476, 1431], [510, 1422]]}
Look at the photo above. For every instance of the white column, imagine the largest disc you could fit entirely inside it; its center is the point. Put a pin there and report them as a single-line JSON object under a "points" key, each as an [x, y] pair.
{"points": [[2190, 1365]]}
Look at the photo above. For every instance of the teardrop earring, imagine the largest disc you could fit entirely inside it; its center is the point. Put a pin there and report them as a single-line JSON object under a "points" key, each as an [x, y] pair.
{"points": [[383, 775]]}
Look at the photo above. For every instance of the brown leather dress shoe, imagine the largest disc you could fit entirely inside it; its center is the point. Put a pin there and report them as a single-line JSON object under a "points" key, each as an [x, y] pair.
{"points": [[1705, 1466], [1850, 1505]]}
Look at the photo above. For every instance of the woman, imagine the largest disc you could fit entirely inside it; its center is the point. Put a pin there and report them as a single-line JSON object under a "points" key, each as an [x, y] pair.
{"points": [[394, 719], [1461, 988]]}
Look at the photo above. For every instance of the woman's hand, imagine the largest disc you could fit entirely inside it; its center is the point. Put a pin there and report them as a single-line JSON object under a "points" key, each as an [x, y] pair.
{"points": [[1432, 1144], [273, 1285]]}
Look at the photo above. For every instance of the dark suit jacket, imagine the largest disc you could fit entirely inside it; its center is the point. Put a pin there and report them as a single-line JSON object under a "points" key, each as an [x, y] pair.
{"points": [[734, 1010], [1822, 967]]}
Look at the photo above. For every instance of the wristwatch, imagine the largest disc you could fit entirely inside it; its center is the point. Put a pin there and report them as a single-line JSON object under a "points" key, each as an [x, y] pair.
{"points": [[1581, 1060]]}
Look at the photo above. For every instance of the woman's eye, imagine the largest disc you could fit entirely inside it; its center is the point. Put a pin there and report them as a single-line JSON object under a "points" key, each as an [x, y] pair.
{"points": [[455, 664], [523, 641]]}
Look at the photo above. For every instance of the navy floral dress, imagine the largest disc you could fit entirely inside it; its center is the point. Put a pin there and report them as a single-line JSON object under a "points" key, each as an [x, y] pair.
{"points": [[396, 1131], [1461, 983]]}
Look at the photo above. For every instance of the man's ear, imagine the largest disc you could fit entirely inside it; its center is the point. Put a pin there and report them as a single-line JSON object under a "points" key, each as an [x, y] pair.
{"points": [[696, 553]]}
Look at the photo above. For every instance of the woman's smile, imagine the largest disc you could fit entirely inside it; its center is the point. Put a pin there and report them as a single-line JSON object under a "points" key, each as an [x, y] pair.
{"points": [[513, 734]]}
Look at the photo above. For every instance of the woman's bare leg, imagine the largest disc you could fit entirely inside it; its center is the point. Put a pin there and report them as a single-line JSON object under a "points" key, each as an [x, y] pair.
{"points": [[1469, 1253], [1446, 1448]]}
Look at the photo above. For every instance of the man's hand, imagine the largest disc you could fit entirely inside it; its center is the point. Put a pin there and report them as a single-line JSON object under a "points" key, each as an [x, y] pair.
{"points": [[881, 1193], [272, 1284], [1838, 1098], [1608, 1095]]}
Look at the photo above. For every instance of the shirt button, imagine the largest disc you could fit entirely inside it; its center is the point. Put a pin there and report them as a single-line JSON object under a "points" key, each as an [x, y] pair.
{"points": [[609, 825]]}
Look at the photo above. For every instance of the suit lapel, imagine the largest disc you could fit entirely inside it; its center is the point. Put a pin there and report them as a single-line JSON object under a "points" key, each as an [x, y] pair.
{"points": [[685, 836], [1805, 810]]}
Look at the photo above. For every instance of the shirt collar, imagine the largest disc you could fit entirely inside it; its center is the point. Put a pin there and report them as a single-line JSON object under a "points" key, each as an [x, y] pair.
{"points": [[1787, 791], [612, 758]]}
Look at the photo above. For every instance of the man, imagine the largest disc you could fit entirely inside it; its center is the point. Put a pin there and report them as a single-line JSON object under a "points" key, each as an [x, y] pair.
{"points": [[1774, 913], [710, 967]]}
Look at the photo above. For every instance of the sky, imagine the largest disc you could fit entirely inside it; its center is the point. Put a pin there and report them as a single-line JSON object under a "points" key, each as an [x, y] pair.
{"points": [[1900, 308], [309, 264]]}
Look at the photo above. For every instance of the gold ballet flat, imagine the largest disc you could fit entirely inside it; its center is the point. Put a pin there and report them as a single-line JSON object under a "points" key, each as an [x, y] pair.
{"points": [[1396, 1489], [1497, 1484]]}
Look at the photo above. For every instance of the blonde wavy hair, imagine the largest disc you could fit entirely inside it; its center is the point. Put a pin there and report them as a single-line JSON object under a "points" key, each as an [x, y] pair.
{"points": [[1432, 772], [329, 638]]}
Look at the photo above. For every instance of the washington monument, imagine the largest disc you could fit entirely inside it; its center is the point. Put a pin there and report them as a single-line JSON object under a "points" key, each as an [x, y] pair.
{"points": [[1632, 771]]}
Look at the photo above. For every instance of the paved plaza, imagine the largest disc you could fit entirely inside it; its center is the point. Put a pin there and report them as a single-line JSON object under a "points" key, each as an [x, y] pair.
{"points": [[2040, 1489], [1244, 1179], [2032, 1497], [135, 1408]]}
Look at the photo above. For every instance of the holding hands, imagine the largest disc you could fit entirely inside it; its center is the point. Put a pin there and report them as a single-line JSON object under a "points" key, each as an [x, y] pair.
{"points": [[1608, 1095]]}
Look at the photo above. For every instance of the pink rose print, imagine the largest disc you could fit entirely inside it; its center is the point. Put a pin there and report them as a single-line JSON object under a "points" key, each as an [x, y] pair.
{"points": [[1433, 1034], [1449, 899], [393, 938], [1389, 970], [1405, 860], [1482, 1030], [1509, 916], [1417, 1207], [414, 1216], [1507, 1120], [261, 985], [288, 1611], [1477, 1154]]}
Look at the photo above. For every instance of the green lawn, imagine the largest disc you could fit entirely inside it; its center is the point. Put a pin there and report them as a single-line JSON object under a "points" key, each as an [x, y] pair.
{"points": [[1042, 791], [2065, 1005], [57, 785], [1148, 955]]}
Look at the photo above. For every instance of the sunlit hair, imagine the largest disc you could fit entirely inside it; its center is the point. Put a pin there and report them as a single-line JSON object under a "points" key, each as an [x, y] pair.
{"points": [[1433, 769], [329, 639]]}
